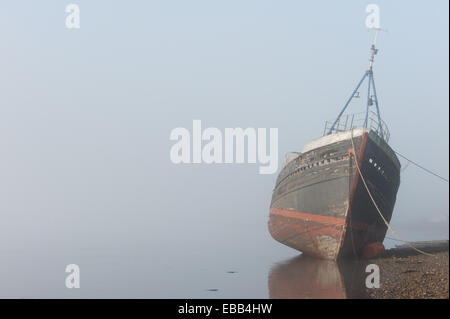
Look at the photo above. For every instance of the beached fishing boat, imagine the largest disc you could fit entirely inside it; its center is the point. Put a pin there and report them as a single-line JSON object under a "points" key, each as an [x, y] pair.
{"points": [[329, 198]]}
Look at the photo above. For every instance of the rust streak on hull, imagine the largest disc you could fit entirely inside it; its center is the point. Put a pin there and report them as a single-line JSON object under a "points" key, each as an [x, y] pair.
{"points": [[319, 205], [315, 235]]}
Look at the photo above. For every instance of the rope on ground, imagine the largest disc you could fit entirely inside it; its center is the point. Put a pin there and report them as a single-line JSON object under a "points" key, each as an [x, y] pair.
{"points": [[378, 209], [395, 239]]}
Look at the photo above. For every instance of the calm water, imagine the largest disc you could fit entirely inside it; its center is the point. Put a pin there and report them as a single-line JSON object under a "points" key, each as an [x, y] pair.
{"points": [[246, 265]]}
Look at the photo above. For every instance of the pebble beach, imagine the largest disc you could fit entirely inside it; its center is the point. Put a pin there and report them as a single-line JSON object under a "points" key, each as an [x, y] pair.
{"points": [[407, 274]]}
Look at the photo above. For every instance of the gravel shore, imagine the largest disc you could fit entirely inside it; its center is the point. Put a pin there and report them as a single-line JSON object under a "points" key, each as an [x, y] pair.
{"points": [[407, 274]]}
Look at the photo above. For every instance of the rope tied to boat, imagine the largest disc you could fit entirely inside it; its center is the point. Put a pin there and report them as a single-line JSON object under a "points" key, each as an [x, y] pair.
{"points": [[378, 209]]}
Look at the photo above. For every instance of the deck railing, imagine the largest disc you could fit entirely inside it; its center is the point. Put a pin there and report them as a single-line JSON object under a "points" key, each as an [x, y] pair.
{"points": [[358, 120]]}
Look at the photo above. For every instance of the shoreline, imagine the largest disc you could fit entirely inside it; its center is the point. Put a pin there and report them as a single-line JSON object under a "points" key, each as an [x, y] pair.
{"points": [[408, 274]]}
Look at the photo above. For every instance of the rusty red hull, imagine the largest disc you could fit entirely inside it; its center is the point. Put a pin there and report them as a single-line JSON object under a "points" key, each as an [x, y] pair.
{"points": [[319, 237], [320, 205]]}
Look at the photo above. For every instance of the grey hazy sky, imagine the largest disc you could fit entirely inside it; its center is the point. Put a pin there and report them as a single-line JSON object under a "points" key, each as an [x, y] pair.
{"points": [[85, 118]]}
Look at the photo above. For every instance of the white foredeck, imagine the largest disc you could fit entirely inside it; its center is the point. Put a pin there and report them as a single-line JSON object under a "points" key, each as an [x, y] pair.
{"points": [[333, 138]]}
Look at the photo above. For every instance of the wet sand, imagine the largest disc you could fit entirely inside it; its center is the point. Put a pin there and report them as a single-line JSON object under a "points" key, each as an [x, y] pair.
{"points": [[407, 274]]}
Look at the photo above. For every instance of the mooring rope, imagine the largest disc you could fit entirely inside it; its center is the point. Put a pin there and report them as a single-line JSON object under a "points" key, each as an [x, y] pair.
{"points": [[420, 166], [392, 238], [378, 209]]}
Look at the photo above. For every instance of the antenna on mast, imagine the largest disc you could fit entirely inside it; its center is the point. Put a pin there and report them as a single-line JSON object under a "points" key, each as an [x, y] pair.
{"points": [[373, 49], [371, 87]]}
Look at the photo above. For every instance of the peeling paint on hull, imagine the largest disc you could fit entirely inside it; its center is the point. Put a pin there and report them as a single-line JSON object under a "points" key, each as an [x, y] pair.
{"points": [[313, 237], [320, 206]]}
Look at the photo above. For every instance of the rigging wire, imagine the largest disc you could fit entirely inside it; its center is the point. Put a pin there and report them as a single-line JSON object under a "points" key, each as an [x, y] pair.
{"points": [[420, 166]]}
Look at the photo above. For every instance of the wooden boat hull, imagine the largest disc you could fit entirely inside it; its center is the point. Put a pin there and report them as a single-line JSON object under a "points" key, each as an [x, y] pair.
{"points": [[320, 205]]}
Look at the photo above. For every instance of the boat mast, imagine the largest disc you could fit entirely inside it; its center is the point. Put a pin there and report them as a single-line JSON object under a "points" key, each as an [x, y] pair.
{"points": [[371, 88]]}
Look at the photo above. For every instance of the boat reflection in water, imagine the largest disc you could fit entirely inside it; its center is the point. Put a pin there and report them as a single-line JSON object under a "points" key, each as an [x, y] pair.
{"points": [[304, 277]]}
